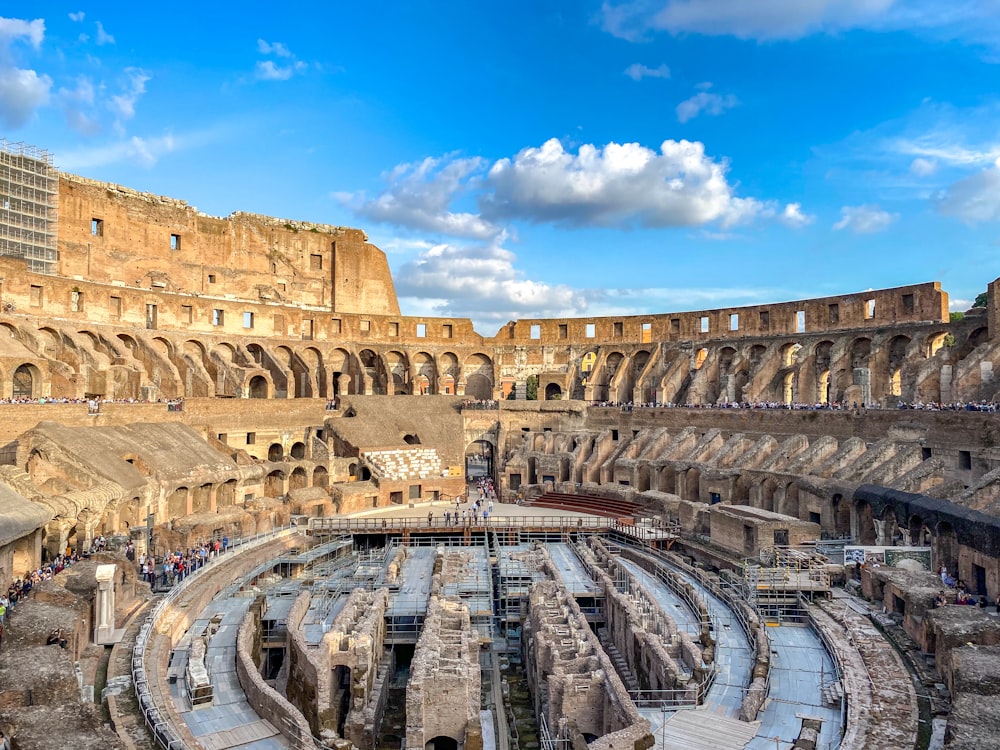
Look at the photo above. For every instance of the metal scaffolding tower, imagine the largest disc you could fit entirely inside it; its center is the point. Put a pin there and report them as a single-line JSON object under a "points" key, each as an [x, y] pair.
{"points": [[29, 205]]}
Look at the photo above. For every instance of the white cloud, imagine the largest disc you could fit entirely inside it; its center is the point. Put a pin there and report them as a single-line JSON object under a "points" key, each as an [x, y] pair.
{"points": [[22, 90], [267, 70], [638, 71], [705, 102], [103, 37], [77, 104], [975, 198], [77, 17], [482, 283], [792, 216], [616, 185], [143, 151], [134, 86], [419, 196], [922, 167], [864, 219], [12, 29], [273, 48], [972, 20]]}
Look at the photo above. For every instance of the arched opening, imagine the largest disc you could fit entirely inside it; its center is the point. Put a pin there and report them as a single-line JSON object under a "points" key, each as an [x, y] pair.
{"points": [[841, 516], [298, 479], [946, 548], [934, 342], [24, 382], [298, 451], [201, 499], [275, 452], [274, 484], [478, 371], [442, 743], [258, 386], [226, 494], [866, 523], [920, 535], [891, 533], [479, 460], [790, 501], [177, 503], [979, 336], [553, 392], [411, 439], [321, 477], [789, 353]]}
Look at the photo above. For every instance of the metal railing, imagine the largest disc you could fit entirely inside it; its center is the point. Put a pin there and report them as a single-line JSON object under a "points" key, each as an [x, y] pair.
{"points": [[494, 523], [152, 702]]}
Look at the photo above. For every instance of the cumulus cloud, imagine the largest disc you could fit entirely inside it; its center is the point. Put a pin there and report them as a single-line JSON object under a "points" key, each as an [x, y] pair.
{"points": [[638, 71], [705, 102], [269, 70], [419, 196], [975, 198], [273, 48], [133, 87], [864, 219], [767, 20], [77, 104], [792, 216], [103, 37], [22, 91], [482, 283], [615, 185], [77, 17]]}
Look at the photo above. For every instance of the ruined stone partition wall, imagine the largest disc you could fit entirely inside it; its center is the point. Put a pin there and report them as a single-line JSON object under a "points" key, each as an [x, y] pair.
{"points": [[906, 304], [746, 531], [443, 693], [113, 234], [306, 665], [267, 702], [584, 694]]}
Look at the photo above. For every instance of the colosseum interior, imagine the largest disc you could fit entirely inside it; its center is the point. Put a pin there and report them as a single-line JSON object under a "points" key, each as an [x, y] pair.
{"points": [[245, 485]]}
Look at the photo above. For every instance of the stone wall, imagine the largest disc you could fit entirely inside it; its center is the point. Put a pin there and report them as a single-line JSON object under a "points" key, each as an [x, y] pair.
{"points": [[443, 692]]}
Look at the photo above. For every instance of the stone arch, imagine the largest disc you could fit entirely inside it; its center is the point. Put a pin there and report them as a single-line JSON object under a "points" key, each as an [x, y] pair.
{"points": [[26, 381], [789, 501], [372, 373], [788, 388], [398, 372], [841, 516], [478, 375], [424, 374], [865, 522], [275, 452], [979, 336], [312, 362], [201, 498], [767, 492], [177, 502], [274, 484], [553, 392], [860, 352], [298, 479], [699, 358], [258, 387], [934, 342], [450, 373], [226, 494], [479, 457], [320, 477], [823, 357], [897, 358], [298, 450], [789, 353], [339, 363], [918, 531], [890, 526]]}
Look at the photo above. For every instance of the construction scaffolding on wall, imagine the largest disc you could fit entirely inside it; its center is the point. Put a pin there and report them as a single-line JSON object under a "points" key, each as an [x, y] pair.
{"points": [[29, 205]]}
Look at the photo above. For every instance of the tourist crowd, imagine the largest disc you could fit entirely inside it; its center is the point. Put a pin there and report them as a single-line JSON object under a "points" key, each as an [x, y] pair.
{"points": [[477, 403], [628, 406], [165, 570]]}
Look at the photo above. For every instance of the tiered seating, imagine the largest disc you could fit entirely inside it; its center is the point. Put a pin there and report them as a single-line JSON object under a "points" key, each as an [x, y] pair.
{"points": [[416, 463], [595, 506]]}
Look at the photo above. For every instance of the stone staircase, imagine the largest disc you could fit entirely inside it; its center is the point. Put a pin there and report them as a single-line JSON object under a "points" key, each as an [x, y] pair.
{"points": [[621, 666]]}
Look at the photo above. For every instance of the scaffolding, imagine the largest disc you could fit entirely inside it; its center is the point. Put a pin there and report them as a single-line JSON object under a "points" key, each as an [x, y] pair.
{"points": [[780, 577], [29, 205]]}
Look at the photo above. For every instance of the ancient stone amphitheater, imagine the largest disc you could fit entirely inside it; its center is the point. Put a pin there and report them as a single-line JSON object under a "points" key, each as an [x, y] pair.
{"points": [[713, 529]]}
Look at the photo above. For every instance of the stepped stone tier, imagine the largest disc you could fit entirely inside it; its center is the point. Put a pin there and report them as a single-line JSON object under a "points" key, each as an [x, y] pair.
{"points": [[168, 377]]}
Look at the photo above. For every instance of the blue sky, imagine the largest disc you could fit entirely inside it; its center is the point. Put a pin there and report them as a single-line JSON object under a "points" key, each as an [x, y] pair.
{"points": [[541, 159]]}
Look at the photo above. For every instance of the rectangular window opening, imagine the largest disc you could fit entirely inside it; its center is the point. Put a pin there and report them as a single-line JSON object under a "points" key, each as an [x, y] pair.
{"points": [[869, 309], [447, 331], [97, 227], [36, 296], [734, 321], [675, 326], [421, 330], [647, 333], [800, 321], [536, 331], [834, 313], [115, 307], [563, 331], [248, 320], [765, 320], [366, 326], [908, 304], [336, 325], [619, 329], [218, 317], [175, 242], [187, 313], [590, 330], [965, 459], [211, 278], [251, 438], [704, 324], [76, 301], [394, 329], [316, 262]]}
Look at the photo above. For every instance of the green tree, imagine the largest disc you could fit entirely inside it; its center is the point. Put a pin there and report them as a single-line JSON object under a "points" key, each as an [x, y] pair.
{"points": [[956, 316], [531, 388], [980, 300]]}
